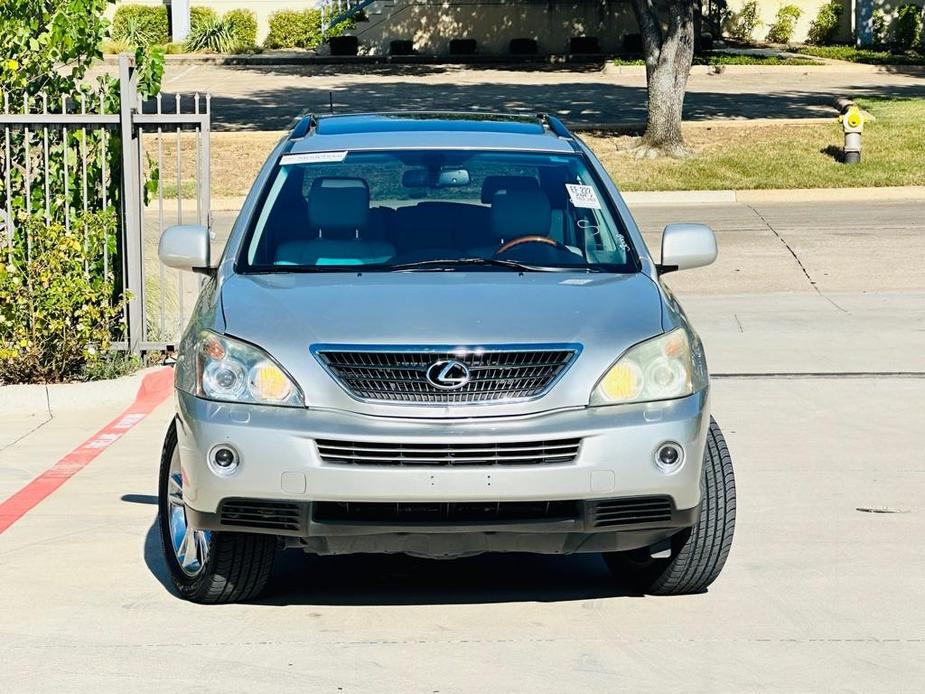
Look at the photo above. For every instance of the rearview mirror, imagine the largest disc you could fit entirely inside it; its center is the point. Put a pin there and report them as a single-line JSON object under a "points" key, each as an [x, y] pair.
{"points": [[186, 247], [445, 178], [686, 246]]}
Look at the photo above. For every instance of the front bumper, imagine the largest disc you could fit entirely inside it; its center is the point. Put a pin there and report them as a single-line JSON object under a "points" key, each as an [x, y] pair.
{"points": [[279, 459]]}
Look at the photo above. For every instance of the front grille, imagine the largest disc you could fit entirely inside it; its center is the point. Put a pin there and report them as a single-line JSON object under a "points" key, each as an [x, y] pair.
{"points": [[446, 454], [270, 515], [390, 375], [646, 509], [438, 513]]}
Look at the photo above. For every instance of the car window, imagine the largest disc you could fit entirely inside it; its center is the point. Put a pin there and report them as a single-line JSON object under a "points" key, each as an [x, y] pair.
{"points": [[379, 210]]}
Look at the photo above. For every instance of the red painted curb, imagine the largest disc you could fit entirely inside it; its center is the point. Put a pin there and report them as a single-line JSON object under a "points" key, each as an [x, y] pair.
{"points": [[154, 388]]}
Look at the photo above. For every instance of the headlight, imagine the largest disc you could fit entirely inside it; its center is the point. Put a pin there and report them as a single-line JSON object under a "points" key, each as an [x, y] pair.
{"points": [[657, 369], [235, 371]]}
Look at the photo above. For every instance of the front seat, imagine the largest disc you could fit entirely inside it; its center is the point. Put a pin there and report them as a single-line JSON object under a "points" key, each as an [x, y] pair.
{"points": [[519, 213], [338, 214]]}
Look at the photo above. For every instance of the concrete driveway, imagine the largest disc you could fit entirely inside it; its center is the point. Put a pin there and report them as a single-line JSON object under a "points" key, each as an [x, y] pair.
{"points": [[822, 592]]}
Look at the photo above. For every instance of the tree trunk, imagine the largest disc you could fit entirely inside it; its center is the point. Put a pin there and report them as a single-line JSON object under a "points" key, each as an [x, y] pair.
{"points": [[669, 51]]}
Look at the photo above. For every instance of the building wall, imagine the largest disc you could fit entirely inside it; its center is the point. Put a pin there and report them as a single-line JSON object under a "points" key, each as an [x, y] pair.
{"points": [[432, 24], [768, 10]]}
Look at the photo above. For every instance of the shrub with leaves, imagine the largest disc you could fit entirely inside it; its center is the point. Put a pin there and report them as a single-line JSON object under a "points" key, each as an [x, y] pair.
{"points": [[58, 308], [243, 25], [781, 31], [199, 16], [878, 27], [824, 27], [742, 25], [301, 29], [215, 36], [53, 317], [294, 29], [48, 45], [141, 25], [907, 26]]}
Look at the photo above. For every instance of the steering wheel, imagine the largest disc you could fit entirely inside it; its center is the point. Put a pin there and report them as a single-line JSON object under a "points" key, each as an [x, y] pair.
{"points": [[533, 238]]}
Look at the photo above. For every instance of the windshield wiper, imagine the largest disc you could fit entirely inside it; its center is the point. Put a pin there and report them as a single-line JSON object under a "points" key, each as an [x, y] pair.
{"points": [[453, 263]]}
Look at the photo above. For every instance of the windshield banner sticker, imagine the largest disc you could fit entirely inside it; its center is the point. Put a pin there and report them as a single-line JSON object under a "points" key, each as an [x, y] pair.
{"points": [[583, 196], [312, 158]]}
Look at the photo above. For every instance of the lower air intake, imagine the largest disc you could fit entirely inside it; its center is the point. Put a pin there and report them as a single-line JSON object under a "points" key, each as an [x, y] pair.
{"points": [[268, 515], [438, 513], [616, 512]]}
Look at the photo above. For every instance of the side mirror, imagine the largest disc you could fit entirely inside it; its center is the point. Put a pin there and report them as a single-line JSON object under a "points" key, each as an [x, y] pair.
{"points": [[186, 247], [686, 246]]}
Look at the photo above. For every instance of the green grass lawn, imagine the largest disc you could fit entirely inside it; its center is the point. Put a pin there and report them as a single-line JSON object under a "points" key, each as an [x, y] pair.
{"points": [[781, 156], [728, 156], [864, 55]]}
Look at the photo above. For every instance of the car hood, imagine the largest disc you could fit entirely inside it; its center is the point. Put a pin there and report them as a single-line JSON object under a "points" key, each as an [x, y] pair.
{"points": [[287, 313]]}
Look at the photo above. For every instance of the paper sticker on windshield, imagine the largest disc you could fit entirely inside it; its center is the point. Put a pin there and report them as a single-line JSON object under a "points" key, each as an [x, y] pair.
{"points": [[583, 196], [312, 158]]}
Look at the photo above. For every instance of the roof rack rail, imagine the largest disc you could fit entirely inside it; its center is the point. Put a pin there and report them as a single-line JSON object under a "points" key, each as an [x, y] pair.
{"points": [[305, 125], [555, 125]]}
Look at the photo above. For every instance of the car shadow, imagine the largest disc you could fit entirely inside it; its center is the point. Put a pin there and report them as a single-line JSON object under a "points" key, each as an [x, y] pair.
{"points": [[393, 580]]}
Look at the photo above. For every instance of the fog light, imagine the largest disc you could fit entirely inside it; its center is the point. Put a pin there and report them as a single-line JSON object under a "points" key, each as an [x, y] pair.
{"points": [[223, 460], [669, 456]]}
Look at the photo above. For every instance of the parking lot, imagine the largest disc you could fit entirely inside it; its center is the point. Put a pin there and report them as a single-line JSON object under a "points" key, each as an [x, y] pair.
{"points": [[814, 322]]}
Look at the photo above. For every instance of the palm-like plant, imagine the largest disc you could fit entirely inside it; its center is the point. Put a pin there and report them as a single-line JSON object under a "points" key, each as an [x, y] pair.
{"points": [[134, 32], [214, 36]]}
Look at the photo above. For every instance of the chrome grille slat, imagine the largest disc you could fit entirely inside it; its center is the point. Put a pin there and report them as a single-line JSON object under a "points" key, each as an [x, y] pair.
{"points": [[554, 452], [399, 374]]}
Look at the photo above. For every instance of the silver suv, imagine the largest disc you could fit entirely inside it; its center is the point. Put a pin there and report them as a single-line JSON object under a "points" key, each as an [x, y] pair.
{"points": [[440, 335]]}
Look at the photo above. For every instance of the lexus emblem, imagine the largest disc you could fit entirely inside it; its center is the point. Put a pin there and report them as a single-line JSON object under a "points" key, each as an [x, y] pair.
{"points": [[448, 374]]}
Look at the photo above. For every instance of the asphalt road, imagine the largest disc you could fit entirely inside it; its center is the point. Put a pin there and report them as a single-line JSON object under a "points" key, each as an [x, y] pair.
{"points": [[819, 595], [268, 98]]}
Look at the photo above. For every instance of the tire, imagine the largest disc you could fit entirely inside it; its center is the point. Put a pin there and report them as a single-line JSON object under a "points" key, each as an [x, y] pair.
{"points": [[236, 566], [697, 553]]}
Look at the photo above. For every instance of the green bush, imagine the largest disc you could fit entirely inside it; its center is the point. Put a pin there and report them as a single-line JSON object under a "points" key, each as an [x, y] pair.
{"points": [[200, 16], [57, 306], [781, 31], [300, 29], [825, 26], [243, 24], [141, 25], [878, 28], [907, 26], [742, 25], [294, 29]]}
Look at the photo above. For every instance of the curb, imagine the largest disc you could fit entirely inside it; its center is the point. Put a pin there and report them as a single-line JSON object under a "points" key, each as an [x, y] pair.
{"points": [[560, 61], [707, 197], [639, 125], [824, 66], [50, 400]]}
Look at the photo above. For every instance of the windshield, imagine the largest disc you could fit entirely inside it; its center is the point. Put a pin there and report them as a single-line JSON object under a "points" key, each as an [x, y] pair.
{"points": [[434, 210]]}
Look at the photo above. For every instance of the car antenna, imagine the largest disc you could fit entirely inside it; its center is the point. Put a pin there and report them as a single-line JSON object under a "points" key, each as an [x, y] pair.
{"points": [[331, 101]]}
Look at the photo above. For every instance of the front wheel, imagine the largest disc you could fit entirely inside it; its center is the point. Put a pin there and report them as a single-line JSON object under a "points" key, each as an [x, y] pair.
{"points": [[206, 567], [698, 553]]}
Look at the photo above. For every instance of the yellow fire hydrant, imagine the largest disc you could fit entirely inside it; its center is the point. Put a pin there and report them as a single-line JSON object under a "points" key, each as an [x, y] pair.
{"points": [[852, 122]]}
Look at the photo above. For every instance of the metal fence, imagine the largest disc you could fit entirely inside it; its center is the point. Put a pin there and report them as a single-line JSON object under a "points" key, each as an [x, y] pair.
{"points": [[138, 158]]}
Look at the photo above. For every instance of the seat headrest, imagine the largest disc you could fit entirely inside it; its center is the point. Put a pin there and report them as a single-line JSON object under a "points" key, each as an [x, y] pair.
{"points": [[338, 204], [494, 184], [520, 213]]}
